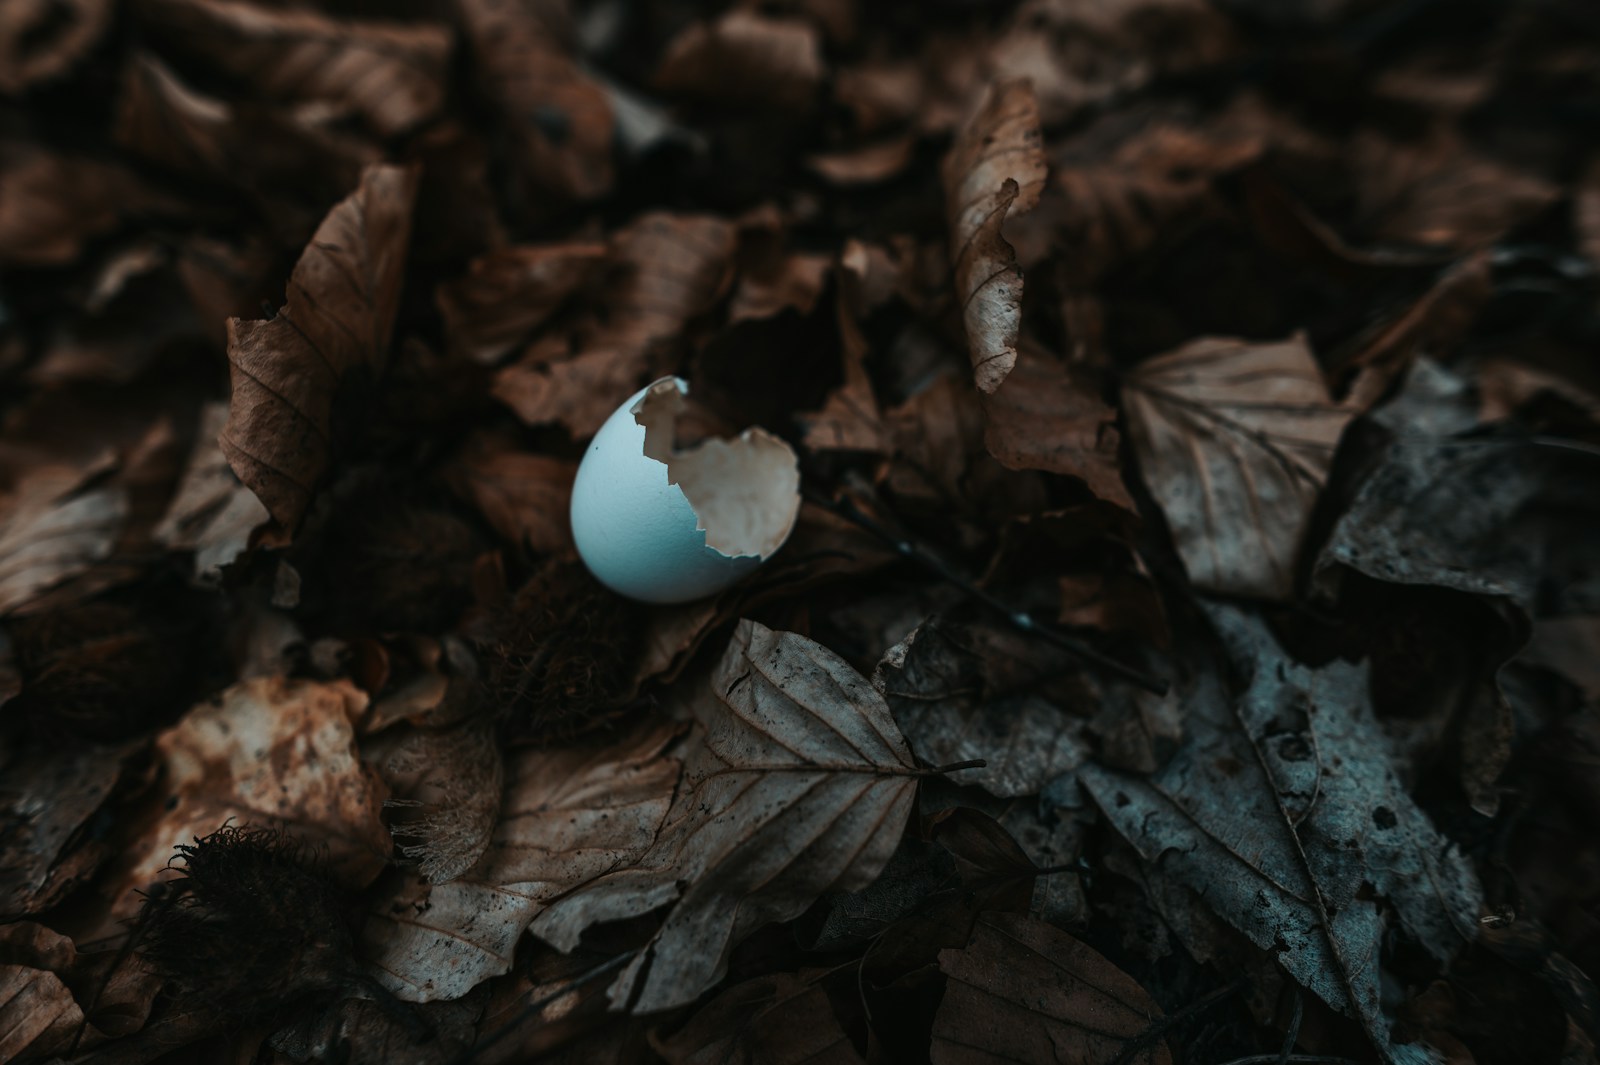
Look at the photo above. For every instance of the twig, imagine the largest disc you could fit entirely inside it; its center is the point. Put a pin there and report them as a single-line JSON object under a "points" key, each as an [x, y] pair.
{"points": [[1157, 1031], [1292, 1036], [1020, 619], [533, 1008], [1292, 1059]]}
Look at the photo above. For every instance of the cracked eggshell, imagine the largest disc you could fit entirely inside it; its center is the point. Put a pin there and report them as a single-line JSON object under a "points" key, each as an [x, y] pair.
{"points": [[667, 526]]}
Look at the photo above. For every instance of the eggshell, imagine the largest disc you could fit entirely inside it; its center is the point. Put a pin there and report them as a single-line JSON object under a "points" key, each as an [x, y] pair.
{"points": [[632, 516]]}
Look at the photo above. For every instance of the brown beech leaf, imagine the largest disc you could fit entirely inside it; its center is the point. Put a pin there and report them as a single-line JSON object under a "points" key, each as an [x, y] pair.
{"points": [[781, 1019], [392, 75], [670, 268], [559, 118], [746, 59], [45, 803], [266, 752], [995, 168], [42, 39], [523, 496], [52, 529], [867, 164], [212, 513], [342, 298], [51, 204], [1045, 418], [1025, 991], [507, 293], [1235, 441], [796, 782], [569, 815], [46, 985]]}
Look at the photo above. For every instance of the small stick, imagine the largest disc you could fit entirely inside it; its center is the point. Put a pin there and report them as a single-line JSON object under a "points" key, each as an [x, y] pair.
{"points": [[532, 1008], [1021, 620]]}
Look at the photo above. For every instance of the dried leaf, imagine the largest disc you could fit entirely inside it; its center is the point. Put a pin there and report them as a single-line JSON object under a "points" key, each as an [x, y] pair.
{"points": [[266, 752], [523, 496], [996, 167], [1235, 441], [42, 39], [670, 268], [1024, 991], [569, 815], [559, 118], [1045, 418], [795, 783], [782, 1019], [508, 293], [47, 799], [52, 204], [1283, 811], [52, 529], [936, 681], [745, 58], [342, 299], [211, 513], [393, 75]]}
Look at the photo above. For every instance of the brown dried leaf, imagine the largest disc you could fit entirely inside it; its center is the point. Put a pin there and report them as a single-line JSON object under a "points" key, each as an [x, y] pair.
{"points": [[996, 166], [523, 496], [41, 39], [867, 164], [746, 59], [393, 75], [266, 752], [1025, 991], [342, 298], [44, 984], [560, 119], [781, 1019], [1046, 418], [569, 815], [53, 529], [52, 204], [671, 268], [211, 513], [508, 293], [796, 782], [46, 801], [1235, 441]]}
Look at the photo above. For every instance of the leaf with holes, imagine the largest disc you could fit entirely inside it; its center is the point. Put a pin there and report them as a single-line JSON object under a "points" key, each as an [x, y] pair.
{"points": [[342, 298], [1235, 441], [796, 782]]}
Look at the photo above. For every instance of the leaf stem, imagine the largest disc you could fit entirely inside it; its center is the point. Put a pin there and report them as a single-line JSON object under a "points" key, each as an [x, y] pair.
{"points": [[533, 1008]]}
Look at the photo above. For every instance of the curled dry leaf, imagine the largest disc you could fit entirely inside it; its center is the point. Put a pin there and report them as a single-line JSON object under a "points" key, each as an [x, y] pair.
{"points": [[782, 1019], [670, 268], [269, 753], [560, 118], [1284, 812], [42, 39], [1024, 991], [47, 987], [524, 496], [392, 75], [995, 168], [507, 293], [796, 782], [747, 59], [342, 298], [1235, 441], [211, 513], [1045, 418], [52, 529], [569, 815]]}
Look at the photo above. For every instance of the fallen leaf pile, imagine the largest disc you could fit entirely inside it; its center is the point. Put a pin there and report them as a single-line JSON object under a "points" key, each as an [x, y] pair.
{"points": [[1187, 652]]}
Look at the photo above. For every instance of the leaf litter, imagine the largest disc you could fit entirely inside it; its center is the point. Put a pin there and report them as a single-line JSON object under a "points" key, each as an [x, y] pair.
{"points": [[1185, 648]]}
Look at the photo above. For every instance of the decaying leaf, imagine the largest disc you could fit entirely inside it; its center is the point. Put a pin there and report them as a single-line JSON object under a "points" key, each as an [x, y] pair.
{"points": [[51, 204], [569, 815], [1023, 990], [267, 752], [54, 999], [524, 496], [559, 118], [995, 169], [341, 304], [782, 1019], [1044, 418], [509, 292], [53, 529], [46, 802], [747, 57], [1235, 441], [211, 513], [795, 782], [1282, 812], [42, 39], [391, 74]]}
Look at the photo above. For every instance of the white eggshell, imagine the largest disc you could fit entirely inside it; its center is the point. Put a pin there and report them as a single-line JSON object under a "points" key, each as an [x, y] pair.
{"points": [[637, 530]]}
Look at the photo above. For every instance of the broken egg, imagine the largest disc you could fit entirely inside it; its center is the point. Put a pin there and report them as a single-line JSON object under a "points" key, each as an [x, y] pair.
{"points": [[667, 526]]}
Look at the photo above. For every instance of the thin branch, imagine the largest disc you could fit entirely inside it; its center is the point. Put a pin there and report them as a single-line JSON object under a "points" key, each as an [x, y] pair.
{"points": [[1019, 619], [533, 1008], [1158, 1031]]}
